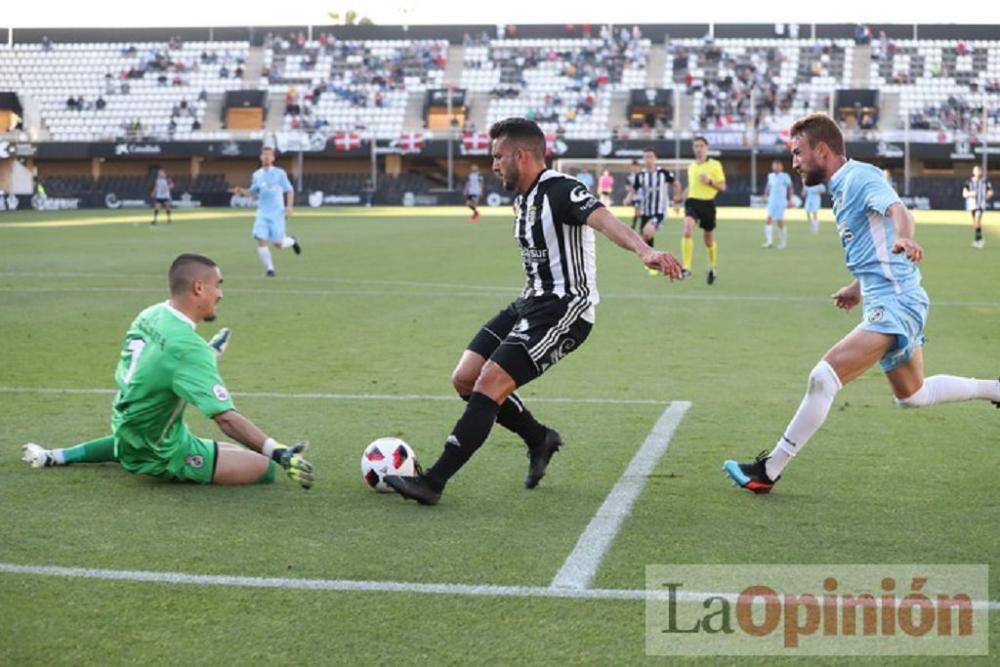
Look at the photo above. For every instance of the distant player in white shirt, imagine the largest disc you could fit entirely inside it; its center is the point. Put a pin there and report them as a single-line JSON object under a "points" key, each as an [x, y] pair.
{"points": [[977, 193], [473, 191], [779, 197], [161, 194]]}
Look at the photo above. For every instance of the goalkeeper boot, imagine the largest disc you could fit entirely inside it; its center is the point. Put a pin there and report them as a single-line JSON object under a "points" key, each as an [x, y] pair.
{"points": [[37, 456], [751, 476]]}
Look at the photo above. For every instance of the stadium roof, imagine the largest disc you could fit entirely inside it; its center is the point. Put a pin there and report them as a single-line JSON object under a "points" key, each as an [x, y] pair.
{"points": [[181, 13]]}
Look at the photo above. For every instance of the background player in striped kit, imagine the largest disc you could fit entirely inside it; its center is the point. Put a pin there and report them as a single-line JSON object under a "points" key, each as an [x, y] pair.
{"points": [[654, 188], [779, 197], [977, 192], [161, 194], [554, 221], [473, 191]]}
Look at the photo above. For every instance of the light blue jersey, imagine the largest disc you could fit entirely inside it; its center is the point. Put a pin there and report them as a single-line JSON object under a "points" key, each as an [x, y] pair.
{"points": [[270, 186], [894, 302], [813, 193], [778, 187]]}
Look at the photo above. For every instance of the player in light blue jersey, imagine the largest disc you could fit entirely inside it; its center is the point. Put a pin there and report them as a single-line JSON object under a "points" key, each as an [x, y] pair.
{"points": [[811, 196], [876, 231], [275, 200], [779, 197]]}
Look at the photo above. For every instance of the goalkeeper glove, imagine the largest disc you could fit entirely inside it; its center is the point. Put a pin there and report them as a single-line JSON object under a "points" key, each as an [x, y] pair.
{"points": [[220, 341], [289, 458]]}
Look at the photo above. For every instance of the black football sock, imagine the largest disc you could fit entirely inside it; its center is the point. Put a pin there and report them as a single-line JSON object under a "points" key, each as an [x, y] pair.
{"points": [[470, 432], [168, 215], [979, 233], [156, 214], [651, 242], [514, 416]]}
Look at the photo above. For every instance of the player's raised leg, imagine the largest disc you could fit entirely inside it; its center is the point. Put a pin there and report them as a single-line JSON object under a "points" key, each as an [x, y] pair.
{"points": [[912, 390]]}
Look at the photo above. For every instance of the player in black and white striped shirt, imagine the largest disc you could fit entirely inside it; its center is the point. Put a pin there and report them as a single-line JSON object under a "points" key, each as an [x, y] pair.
{"points": [[653, 188], [554, 221], [977, 192]]}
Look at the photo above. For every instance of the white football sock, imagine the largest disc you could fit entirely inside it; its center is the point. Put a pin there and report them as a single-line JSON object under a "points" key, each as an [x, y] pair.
{"points": [[784, 236], [287, 242], [769, 234], [823, 387], [265, 257], [57, 456], [950, 389], [814, 224]]}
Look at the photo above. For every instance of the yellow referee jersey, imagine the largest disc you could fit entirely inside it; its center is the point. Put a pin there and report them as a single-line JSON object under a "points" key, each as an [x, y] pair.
{"points": [[699, 190]]}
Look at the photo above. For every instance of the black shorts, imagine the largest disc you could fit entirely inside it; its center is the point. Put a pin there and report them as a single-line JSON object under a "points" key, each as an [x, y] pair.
{"points": [[471, 199], [656, 220], [163, 202], [702, 210], [532, 334]]}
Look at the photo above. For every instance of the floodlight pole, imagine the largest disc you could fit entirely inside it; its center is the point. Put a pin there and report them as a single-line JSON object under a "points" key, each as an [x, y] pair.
{"points": [[451, 141], [985, 136], [906, 154], [374, 159]]}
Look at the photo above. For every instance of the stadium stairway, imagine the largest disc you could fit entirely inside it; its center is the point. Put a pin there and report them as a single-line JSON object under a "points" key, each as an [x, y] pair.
{"points": [[861, 66], [414, 116], [453, 68], [619, 102], [213, 112], [889, 118], [655, 68], [254, 68], [479, 107]]}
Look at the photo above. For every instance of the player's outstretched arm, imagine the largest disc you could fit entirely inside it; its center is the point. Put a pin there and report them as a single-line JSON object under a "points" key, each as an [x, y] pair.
{"points": [[245, 432], [905, 228], [603, 221]]}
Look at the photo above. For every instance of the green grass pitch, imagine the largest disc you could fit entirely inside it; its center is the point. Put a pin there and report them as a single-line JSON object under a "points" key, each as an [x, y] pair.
{"points": [[381, 304]]}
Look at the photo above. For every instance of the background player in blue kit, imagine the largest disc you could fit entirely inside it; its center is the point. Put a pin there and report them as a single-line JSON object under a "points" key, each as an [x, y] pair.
{"points": [[876, 231], [779, 197], [811, 197], [275, 201]]}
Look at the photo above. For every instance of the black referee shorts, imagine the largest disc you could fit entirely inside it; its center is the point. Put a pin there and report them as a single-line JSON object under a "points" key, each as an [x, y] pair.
{"points": [[532, 334], [702, 210]]}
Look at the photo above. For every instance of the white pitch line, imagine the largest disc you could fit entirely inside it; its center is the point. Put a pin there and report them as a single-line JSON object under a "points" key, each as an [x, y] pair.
{"points": [[581, 565], [479, 292], [341, 397], [350, 585]]}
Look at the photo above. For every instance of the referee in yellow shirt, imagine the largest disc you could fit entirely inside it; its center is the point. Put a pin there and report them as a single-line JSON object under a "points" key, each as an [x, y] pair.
{"points": [[705, 180]]}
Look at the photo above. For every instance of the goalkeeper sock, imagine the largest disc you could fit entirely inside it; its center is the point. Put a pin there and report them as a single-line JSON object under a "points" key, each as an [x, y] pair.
{"points": [[265, 257], [470, 432], [687, 252], [93, 451], [269, 474]]}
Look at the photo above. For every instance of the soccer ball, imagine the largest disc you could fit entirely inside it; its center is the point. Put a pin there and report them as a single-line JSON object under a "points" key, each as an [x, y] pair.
{"points": [[386, 456]]}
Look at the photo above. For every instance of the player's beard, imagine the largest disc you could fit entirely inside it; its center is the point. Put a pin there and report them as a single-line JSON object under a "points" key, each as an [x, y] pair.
{"points": [[810, 178], [510, 179]]}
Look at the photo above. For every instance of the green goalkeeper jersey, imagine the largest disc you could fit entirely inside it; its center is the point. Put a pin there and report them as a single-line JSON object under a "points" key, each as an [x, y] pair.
{"points": [[164, 365]]}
